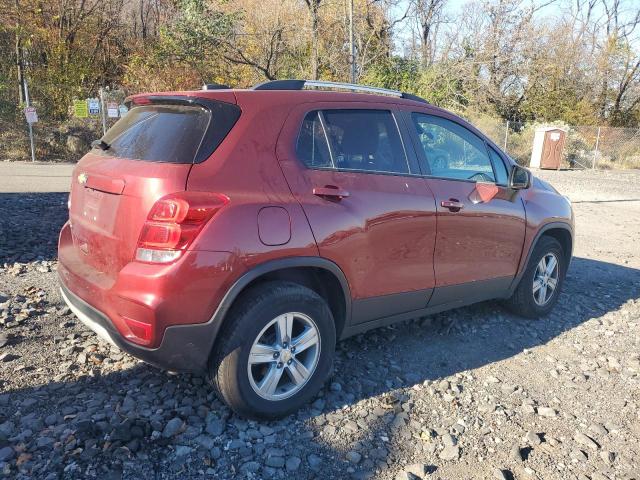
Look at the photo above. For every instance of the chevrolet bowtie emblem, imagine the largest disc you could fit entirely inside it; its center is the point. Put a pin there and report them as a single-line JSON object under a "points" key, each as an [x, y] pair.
{"points": [[82, 178]]}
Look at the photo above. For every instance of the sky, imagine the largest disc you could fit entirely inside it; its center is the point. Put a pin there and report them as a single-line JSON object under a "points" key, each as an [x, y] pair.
{"points": [[454, 8]]}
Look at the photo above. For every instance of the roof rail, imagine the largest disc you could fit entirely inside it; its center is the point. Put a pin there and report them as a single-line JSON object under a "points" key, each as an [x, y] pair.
{"points": [[301, 84], [215, 86]]}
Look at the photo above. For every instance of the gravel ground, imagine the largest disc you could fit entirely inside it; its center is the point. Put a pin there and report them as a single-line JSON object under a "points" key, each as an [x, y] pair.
{"points": [[472, 393]]}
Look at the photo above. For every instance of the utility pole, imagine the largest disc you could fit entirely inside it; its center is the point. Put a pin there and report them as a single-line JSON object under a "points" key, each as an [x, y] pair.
{"points": [[19, 59], [506, 135], [352, 46], [595, 152], [103, 112], [26, 96]]}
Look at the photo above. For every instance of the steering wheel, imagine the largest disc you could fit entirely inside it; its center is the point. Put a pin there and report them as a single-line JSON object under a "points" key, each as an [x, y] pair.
{"points": [[480, 177], [439, 163]]}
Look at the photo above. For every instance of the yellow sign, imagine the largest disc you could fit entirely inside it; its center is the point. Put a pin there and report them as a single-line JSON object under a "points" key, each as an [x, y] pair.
{"points": [[80, 108]]}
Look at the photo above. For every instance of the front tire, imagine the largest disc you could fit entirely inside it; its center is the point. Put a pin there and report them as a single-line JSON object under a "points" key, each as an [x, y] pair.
{"points": [[275, 350], [541, 283]]}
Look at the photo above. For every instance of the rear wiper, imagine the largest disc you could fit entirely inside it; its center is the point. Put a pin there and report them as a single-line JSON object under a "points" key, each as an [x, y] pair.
{"points": [[101, 144]]}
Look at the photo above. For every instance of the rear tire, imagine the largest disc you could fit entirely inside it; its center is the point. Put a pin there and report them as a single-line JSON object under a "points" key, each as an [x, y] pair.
{"points": [[255, 366], [539, 288]]}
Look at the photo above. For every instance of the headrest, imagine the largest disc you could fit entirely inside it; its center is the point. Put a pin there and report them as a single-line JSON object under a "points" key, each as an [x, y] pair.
{"points": [[360, 136]]}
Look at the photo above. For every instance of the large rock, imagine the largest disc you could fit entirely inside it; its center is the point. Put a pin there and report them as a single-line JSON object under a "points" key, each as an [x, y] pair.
{"points": [[77, 144], [450, 453], [173, 427], [6, 453]]}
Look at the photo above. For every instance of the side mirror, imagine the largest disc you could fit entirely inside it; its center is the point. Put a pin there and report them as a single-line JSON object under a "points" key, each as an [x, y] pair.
{"points": [[520, 178]]}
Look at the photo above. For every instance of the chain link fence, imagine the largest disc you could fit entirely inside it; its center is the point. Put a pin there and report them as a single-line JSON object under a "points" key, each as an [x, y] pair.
{"points": [[603, 147], [585, 146]]}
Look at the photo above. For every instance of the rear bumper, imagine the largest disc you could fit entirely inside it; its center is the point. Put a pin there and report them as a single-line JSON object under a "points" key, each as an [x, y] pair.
{"points": [[184, 348], [176, 300], [172, 300]]}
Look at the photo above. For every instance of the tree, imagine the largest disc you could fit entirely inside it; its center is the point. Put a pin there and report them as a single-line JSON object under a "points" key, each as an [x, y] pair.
{"points": [[314, 7], [196, 32], [429, 14]]}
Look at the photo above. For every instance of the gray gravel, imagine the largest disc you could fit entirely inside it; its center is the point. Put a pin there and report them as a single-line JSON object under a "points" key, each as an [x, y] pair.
{"points": [[473, 393]]}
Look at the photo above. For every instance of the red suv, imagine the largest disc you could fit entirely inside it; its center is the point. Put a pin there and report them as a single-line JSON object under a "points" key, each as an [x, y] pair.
{"points": [[242, 232]]}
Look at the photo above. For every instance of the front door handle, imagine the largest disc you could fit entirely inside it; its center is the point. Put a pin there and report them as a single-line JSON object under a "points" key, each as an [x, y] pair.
{"points": [[453, 204], [330, 191]]}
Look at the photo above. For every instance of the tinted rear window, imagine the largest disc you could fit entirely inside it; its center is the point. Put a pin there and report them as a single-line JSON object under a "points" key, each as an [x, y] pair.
{"points": [[159, 133], [361, 140]]}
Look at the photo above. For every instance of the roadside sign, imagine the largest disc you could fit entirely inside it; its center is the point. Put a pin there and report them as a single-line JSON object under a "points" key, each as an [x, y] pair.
{"points": [[94, 106], [112, 110], [80, 108], [31, 114], [123, 110]]}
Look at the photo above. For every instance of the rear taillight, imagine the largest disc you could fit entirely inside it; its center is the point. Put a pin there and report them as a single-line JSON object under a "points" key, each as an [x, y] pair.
{"points": [[174, 222]]}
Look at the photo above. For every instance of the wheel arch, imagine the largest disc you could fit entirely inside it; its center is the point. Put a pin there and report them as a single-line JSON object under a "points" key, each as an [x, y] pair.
{"points": [[564, 238], [319, 274], [562, 232]]}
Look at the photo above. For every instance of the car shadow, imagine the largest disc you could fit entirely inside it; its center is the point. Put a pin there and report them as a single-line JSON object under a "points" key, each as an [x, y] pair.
{"points": [[361, 407]]}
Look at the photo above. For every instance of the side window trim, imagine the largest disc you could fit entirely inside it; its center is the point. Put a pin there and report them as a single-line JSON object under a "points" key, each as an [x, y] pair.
{"points": [[326, 137], [490, 149], [503, 156], [493, 167], [404, 148], [422, 169]]}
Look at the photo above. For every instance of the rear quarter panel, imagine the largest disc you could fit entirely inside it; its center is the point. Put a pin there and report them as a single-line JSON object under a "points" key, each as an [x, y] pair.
{"points": [[245, 169]]}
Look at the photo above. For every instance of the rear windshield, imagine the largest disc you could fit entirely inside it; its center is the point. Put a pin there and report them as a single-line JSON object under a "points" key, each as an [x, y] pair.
{"points": [[159, 133]]}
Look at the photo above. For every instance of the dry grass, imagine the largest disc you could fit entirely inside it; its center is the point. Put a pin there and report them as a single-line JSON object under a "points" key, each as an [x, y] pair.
{"points": [[14, 141], [49, 138]]}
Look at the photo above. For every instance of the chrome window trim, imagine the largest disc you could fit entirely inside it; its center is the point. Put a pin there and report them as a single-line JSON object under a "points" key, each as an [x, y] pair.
{"points": [[320, 114], [404, 148]]}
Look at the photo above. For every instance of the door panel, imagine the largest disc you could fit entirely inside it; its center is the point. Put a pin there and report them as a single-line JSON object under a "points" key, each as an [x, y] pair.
{"points": [[481, 224], [381, 235], [482, 240], [379, 228]]}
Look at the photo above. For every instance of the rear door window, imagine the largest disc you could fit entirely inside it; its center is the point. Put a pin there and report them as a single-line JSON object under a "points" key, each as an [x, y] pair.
{"points": [[312, 147], [159, 133], [361, 140]]}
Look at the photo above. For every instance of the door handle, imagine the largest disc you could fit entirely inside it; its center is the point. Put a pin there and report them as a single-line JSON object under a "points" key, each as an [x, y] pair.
{"points": [[453, 204], [330, 191]]}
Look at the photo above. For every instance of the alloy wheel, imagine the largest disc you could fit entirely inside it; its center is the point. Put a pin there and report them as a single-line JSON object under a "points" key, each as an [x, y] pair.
{"points": [[545, 279], [284, 356]]}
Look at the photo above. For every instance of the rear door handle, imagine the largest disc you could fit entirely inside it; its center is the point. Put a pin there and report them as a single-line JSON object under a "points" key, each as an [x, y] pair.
{"points": [[452, 204], [330, 191]]}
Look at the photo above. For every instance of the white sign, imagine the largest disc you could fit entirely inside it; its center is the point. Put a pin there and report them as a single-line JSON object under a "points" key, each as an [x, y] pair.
{"points": [[555, 136], [123, 110], [112, 110], [31, 114], [94, 106]]}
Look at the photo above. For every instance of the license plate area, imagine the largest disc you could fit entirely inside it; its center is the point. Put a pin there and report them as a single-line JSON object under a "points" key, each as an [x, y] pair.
{"points": [[98, 211]]}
